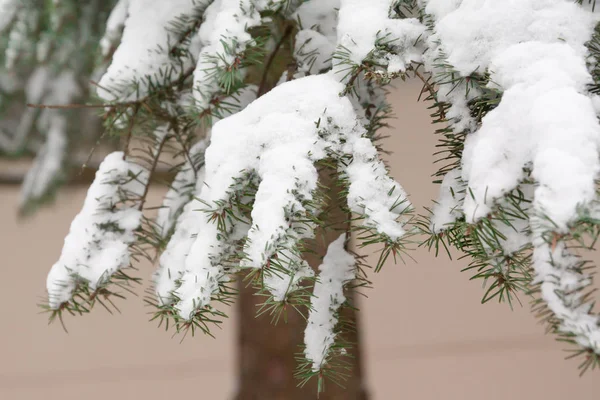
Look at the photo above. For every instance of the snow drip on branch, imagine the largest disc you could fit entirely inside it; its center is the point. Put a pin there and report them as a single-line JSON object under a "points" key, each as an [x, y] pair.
{"points": [[97, 245], [268, 152]]}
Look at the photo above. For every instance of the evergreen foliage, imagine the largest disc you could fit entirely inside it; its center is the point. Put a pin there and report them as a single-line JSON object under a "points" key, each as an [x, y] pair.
{"points": [[256, 99]]}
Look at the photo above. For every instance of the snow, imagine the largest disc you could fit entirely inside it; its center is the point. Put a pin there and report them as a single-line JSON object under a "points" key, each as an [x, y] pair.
{"points": [[372, 193], [279, 137], [181, 207], [313, 51], [98, 241], [283, 283], [37, 85], [145, 47], [319, 15], [489, 27], [172, 260], [535, 54], [316, 41], [360, 38], [18, 35], [338, 268], [448, 207], [538, 62], [224, 36], [439, 8], [182, 189], [114, 26], [49, 162]]}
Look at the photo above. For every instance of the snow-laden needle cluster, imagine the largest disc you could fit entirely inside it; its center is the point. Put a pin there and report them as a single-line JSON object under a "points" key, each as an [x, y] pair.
{"points": [[516, 88]]}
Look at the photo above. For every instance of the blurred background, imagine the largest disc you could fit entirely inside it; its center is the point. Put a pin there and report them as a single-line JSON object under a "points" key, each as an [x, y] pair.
{"points": [[426, 335]]}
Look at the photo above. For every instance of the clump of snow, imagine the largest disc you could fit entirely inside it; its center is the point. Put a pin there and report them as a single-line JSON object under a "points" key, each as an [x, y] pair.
{"points": [[478, 30], [282, 283], [439, 8], [558, 272], [98, 242], [338, 268], [372, 193], [172, 260], [545, 115], [535, 52], [545, 127], [361, 39]]}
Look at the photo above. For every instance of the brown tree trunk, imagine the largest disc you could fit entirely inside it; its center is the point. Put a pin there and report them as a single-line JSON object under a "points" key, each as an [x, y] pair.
{"points": [[267, 353]]}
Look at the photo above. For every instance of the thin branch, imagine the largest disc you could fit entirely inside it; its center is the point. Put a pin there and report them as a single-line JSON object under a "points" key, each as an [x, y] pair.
{"points": [[429, 87], [353, 78], [262, 89], [152, 170], [186, 151], [182, 78], [75, 106], [130, 131]]}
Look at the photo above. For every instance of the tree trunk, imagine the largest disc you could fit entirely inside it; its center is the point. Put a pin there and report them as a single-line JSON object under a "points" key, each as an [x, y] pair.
{"points": [[267, 353]]}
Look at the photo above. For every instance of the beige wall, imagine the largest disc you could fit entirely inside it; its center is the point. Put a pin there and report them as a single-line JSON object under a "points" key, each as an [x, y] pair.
{"points": [[427, 336]]}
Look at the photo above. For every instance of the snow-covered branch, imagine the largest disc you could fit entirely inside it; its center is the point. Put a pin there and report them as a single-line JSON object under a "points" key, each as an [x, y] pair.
{"points": [[336, 271], [275, 143], [517, 82], [97, 245]]}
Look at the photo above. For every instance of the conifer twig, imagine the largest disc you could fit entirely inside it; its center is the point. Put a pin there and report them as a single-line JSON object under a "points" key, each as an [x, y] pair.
{"points": [[262, 88]]}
